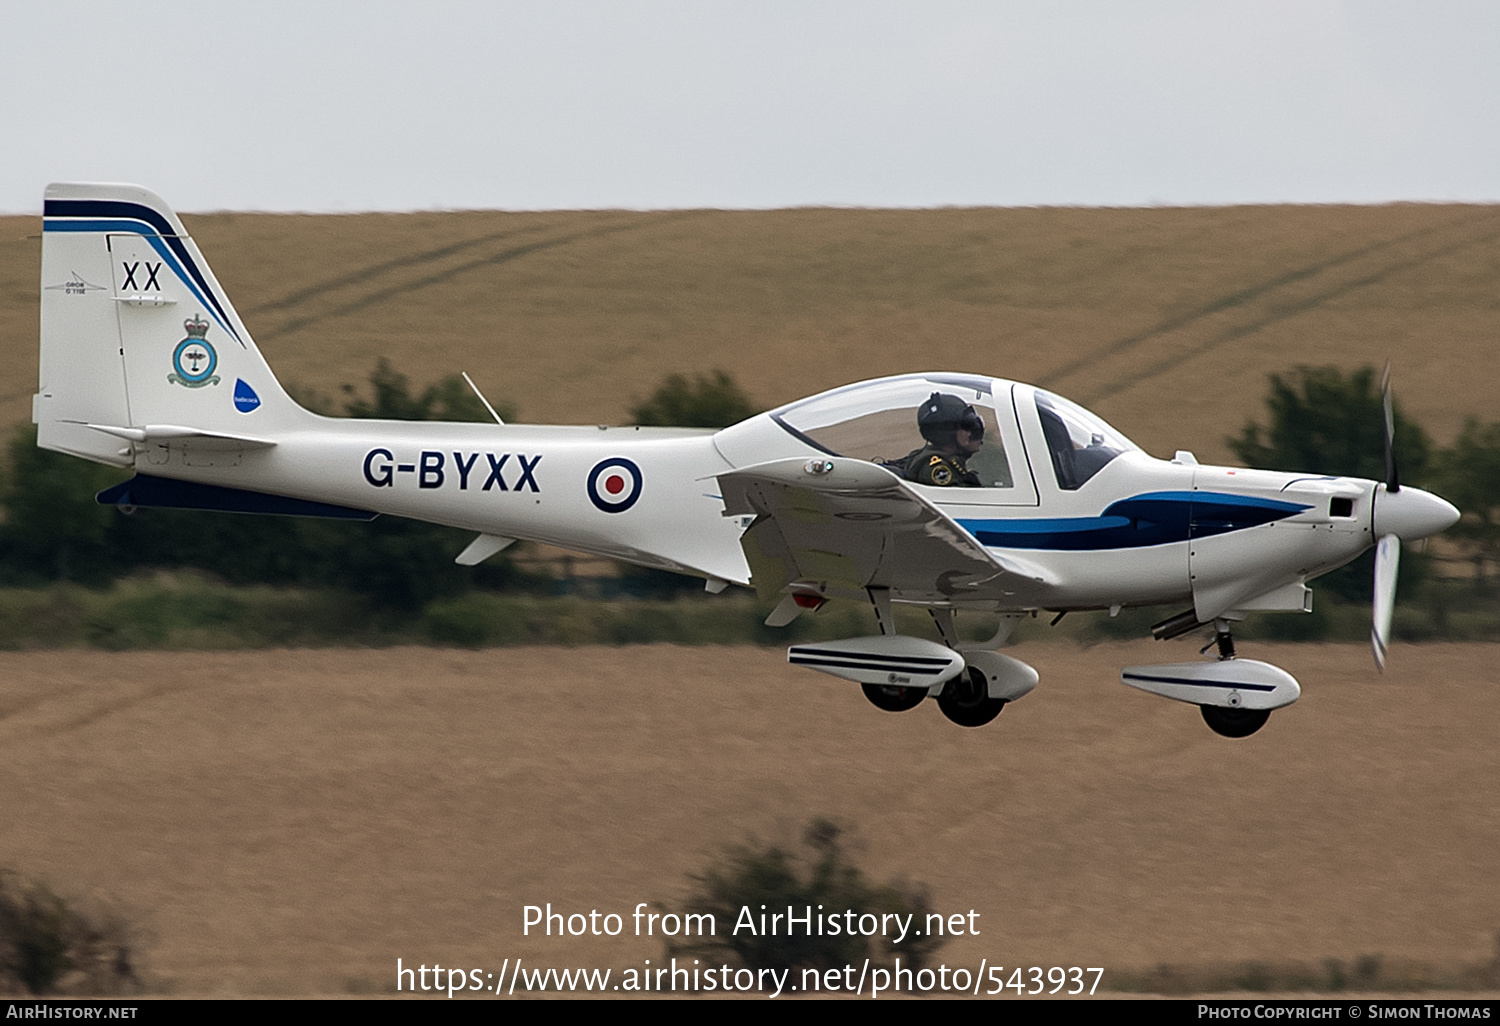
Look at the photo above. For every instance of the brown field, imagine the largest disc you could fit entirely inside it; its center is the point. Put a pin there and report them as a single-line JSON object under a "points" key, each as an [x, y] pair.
{"points": [[1166, 321], [293, 822]]}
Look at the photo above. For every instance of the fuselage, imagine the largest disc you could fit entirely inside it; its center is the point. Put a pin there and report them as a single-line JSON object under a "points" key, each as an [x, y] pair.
{"points": [[1118, 528]]}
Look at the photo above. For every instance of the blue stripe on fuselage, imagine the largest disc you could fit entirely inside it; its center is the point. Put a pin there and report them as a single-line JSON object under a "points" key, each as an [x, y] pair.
{"points": [[1155, 518]]}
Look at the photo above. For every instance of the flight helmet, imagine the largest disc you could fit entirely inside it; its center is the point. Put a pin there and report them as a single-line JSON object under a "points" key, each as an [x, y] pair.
{"points": [[942, 415]]}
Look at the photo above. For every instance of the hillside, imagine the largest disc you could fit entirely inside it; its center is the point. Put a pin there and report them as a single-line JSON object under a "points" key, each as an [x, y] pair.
{"points": [[1166, 321]]}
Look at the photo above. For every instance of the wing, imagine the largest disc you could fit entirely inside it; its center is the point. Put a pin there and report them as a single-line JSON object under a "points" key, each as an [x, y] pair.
{"points": [[844, 525]]}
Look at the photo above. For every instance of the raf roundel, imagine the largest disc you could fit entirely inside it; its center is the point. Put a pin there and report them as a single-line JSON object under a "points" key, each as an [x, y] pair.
{"points": [[614, 484]]}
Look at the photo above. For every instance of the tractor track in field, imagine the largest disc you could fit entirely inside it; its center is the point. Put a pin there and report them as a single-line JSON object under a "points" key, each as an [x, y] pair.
{"points": [[372, 271], [1285, 311], [381, 294], [1266, 290], [50, 715]]}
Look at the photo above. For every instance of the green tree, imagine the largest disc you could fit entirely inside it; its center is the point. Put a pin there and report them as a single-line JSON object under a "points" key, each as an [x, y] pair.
{"points": [[1468, 475], [392, 398], [53, 529], [1326, 421], [710, 400]]}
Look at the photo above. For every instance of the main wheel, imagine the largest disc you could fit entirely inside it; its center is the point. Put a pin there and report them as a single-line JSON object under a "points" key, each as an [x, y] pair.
{"points": [[966, 700], [1234, 722], [893, 697]]}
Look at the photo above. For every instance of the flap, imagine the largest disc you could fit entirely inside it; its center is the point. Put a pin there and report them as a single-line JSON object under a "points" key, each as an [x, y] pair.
{"points": [[844, 525]]}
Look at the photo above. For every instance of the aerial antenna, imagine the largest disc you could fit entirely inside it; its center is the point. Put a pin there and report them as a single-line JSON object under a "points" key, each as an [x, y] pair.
{"points": [[482, 399]]}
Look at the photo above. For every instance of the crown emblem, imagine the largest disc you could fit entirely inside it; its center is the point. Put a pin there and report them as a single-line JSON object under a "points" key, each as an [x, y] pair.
{"points": [[194, 359]]}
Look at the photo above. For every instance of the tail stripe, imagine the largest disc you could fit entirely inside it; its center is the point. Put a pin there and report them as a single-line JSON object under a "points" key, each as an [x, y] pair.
{"points": [[112, 209], [117, 216]]}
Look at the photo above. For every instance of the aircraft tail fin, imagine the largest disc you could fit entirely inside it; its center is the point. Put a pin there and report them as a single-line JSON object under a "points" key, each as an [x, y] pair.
{"points": [[138, 340]]}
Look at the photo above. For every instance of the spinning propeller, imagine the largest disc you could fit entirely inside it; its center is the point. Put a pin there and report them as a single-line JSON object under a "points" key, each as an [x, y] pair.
{"points": [[1398, 514]]}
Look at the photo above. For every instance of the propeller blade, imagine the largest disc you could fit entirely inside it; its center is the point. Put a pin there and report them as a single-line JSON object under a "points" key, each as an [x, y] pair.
{"points": [[1392, 478], [1387, 559]]}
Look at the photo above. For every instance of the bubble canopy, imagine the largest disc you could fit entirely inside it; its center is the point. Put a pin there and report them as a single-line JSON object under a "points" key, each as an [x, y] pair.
{"points": [[877, 421]]}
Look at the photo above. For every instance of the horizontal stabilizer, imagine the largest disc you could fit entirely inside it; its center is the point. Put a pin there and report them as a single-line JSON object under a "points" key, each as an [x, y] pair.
{"points": [[166, 493], [177, 433]]}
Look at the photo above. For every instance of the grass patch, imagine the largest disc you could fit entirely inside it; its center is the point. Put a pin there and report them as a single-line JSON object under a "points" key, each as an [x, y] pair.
{"points": [[191, 611]]}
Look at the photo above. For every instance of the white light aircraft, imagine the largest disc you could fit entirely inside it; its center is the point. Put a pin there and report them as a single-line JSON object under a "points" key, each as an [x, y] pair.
{"points": [[146, 365]]}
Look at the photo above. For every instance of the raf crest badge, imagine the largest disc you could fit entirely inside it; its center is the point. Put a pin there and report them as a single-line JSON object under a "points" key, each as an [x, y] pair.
{"points": [[194, 358]]}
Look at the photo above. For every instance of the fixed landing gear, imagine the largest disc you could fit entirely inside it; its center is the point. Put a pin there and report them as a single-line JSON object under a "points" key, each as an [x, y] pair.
{"points": [[1228, 721], [966, 700], [893, 697], [1223, 639], [1234, 722]]}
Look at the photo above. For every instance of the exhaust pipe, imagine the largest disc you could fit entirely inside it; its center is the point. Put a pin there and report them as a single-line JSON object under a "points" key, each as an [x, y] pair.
{"points": [[1176, 626]]}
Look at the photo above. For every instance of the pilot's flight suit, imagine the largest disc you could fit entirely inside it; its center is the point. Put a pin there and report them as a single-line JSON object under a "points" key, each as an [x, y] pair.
{"points": [[931, 466]]}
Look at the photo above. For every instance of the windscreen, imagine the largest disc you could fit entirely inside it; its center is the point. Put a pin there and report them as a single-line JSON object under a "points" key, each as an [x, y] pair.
{"points": [[1079, 443]]}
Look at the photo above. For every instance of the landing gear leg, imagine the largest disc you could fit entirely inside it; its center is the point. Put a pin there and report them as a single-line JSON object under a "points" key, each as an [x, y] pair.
{"points": [[1223, 639], [1230, 721]]}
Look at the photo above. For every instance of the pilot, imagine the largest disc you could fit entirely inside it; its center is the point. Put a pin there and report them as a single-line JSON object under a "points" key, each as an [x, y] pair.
{"points": [[954, 432]]}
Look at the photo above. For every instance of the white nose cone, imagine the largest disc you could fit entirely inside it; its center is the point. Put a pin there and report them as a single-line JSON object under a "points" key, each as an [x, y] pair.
{"points": [[1411, 513]]}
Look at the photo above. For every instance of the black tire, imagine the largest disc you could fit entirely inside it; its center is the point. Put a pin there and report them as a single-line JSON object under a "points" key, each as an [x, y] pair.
{"points": [[1234, 722], [966, 700], [893, 697]]}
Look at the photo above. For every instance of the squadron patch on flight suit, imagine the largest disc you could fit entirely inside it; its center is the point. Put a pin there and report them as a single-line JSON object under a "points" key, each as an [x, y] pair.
{"points": [[939, 470]]}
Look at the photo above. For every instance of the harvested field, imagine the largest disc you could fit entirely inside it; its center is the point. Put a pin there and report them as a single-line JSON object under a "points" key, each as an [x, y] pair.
{"points": [[1165, 321], [292, 822]]}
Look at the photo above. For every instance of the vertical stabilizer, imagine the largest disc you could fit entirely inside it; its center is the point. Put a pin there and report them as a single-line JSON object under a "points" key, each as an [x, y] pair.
{"points": [[137, 336]]}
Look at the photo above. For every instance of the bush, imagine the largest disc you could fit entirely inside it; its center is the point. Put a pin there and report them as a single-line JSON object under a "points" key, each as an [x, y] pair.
{"points": [[708, 401], [818, 875], [1324, 421], [48, 946]]}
